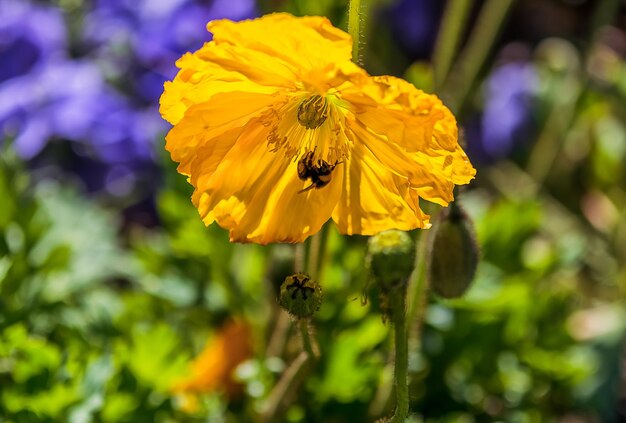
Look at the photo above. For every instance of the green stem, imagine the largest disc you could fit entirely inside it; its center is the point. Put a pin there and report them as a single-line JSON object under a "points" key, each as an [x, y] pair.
{"points": [[397, 299], [307, 345], [417, 282], [284, 392], [565, 108], [419, 286], [298, 261], [354, 29], [452, 26], [604, 14], [561, 117], [486, 29], [314, 255]]}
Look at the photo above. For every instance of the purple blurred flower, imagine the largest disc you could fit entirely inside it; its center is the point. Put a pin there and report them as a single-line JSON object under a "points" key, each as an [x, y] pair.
{"points": [[508, 112], [415, 25], [67, 100], [152, 35], [507, 117], [105, 99], [30, 36]]}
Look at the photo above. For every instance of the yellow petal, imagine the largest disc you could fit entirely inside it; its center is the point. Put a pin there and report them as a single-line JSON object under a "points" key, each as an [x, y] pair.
{"points": [[198, 81], [256, 194], [374, 199], [211, 127], [301, 43], [412, 133], [256, 56], [418, 173], [407, 116]]}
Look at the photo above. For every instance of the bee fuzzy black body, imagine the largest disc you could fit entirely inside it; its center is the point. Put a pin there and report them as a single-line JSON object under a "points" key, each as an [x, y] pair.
{"points": [[318, 171]]}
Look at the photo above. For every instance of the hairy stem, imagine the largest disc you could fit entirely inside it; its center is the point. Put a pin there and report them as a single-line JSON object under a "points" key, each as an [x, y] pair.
{"points": [[397, 299], [418, 281], [354, 29]]}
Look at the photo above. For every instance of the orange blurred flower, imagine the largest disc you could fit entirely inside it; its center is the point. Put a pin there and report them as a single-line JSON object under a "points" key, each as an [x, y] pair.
{"points": [[212, 370]]}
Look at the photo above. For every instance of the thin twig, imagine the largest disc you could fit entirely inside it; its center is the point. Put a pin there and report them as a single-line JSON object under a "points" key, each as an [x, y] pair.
{"points": [[285, 389]]}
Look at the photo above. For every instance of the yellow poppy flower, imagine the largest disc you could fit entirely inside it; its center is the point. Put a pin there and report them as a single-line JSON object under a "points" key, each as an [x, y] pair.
{"points": [[278, 131]]}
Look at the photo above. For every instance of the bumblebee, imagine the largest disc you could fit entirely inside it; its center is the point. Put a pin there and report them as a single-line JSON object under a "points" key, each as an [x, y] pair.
{"points": [[318, 172]]}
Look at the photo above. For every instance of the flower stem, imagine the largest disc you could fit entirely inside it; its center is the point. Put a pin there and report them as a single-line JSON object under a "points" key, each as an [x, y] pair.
{"points": [[307, 344], [298, 262], [486, 29], [397, 299], [604, 14], [419, 286], [565, 109], [314, 255], [285, 390], [354, 29], [452, 27]]}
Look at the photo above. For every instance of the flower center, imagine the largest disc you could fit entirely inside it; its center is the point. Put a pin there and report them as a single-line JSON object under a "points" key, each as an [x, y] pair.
{"points": [[308, 124], [313, 111]]}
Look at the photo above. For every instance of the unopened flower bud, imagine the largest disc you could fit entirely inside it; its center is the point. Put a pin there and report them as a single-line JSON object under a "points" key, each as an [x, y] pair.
{"points": [[300, 295], [391, 258], [454, 253]]}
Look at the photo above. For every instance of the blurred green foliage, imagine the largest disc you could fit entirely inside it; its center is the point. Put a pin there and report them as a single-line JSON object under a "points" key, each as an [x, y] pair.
{"points": [[97, 324]]}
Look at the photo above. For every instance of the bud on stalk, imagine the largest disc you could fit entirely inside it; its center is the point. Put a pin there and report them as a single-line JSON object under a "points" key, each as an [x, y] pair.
{"points": [[391, 258], [454, 253], [300, 296]]}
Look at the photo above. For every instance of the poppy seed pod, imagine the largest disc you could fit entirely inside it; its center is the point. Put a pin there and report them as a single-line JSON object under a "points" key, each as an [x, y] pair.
{"points": [[453, 255], [300, 295], [391, 258]]}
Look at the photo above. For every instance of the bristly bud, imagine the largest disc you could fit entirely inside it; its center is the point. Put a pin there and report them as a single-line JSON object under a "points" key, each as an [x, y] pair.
{"points": [[391, 258], [300, 295], [454, 253]]}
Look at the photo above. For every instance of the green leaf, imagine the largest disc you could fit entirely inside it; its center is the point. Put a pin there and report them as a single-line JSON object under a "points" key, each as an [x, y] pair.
{"points": [[352, 369], [155, 356]]}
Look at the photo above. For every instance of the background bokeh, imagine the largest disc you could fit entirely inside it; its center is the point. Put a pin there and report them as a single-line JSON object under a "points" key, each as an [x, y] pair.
{"points": [[110, 285]]}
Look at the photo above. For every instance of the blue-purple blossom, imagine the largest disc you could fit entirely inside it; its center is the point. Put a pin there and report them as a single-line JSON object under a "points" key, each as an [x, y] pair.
{"points": [[146, 37], [64, 100], [507, 117], [415, 24], [103, 97], [30, 37]]}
